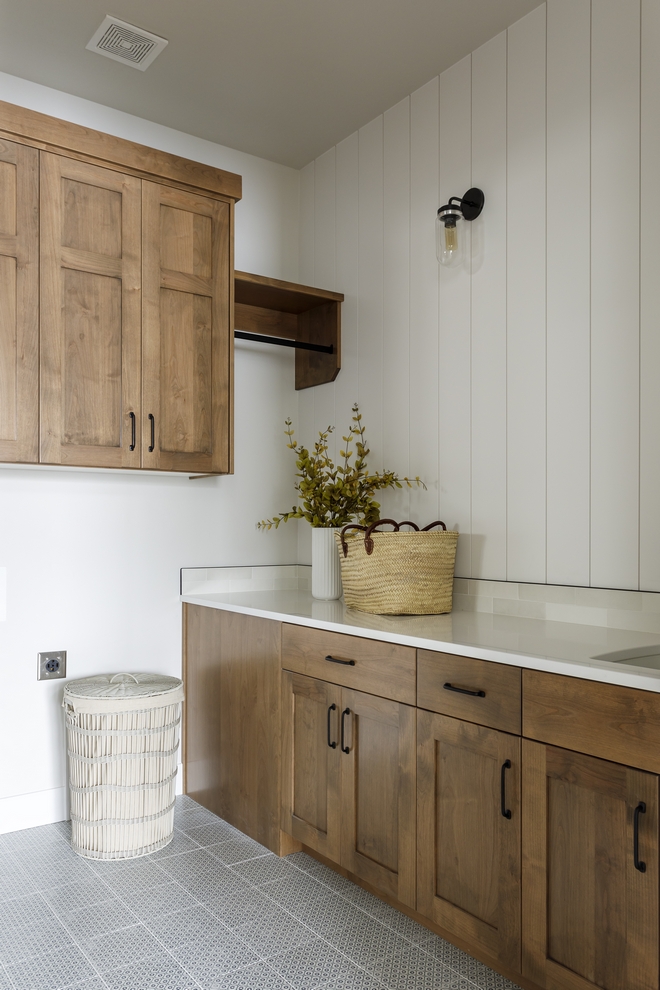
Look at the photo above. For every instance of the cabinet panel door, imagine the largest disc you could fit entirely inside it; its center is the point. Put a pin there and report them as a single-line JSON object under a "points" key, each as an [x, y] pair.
{"points": [[378, 793], [187, 343], [469, 851], [90, 314], [591, 917], [310, 762], [19, 302]]}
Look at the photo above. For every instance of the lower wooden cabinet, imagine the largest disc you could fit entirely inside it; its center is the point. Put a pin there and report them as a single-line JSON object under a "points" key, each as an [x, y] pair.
{"points": [[468, 852], [590, 872], [348, 780]]}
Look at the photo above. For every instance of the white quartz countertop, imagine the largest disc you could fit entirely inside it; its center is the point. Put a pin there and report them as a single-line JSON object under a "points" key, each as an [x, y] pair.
{"points": [[539, 644]]}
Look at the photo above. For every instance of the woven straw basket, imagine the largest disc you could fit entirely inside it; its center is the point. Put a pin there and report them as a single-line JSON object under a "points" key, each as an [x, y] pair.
{"points": [[397, 573], [123, 740]]}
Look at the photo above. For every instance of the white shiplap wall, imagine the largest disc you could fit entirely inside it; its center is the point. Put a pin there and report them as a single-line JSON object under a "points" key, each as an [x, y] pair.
{"points": [[523, 387]]}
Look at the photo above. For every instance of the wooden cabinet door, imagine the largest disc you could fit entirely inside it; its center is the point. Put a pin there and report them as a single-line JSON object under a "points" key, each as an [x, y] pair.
{"points": [[591, 917], [468, 835], [90, 314], [311, 762], [378, 793], [187, 338], [19, 302]]}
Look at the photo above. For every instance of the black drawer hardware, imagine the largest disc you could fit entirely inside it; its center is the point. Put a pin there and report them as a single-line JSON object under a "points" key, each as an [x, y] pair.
{"points": [[506, 812], [344, 749], [332, 708], [473, 694], [639, 810], [153, 432], [132, 446], [347, 663]]}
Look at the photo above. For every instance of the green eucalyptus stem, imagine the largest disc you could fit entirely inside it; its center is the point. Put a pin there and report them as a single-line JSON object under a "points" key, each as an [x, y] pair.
{"points": [[335, 496]]}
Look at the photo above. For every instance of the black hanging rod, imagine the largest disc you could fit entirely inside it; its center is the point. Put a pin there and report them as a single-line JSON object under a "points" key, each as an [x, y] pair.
{"points": [[283, 342]]}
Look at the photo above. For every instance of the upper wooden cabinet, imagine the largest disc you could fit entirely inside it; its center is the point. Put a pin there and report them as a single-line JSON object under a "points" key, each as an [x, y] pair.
{"points": [[116, 286], [90, 314], [186, 340], [19, 302]]}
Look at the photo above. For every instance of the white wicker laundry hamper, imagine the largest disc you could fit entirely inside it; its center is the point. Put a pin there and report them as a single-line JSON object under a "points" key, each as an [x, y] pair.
{"points": [[122, 743]]}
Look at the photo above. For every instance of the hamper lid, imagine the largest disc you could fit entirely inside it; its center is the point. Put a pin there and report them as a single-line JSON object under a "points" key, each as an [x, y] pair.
{"points": [[122, 692]]}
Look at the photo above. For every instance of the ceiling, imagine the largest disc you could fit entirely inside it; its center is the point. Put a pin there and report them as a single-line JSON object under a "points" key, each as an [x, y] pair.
{"points": [[282, 79]]}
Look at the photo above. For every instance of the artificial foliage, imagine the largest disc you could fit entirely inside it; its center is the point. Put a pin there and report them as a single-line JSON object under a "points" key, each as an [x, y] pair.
{"points": [[337, 495]]}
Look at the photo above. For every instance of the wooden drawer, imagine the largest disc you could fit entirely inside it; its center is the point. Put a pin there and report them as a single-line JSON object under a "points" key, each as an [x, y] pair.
{"points": [[615, 723], [383, 669], [497, 704]]}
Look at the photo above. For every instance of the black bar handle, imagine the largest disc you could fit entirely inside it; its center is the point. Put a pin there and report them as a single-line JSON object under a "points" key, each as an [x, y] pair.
{"points": [[344, 749], [153, 432], [132, 445], [639, 810], [506, 812], [347, 663], [332, 708], [473, 694]]}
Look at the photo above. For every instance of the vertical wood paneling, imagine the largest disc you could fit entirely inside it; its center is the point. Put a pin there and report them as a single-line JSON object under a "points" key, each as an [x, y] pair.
{"points": [[615, 96], [489, 312], [346, 239], [424, 135], [396, 304], [370, 299], [324, 273], [568, 290], [304, 424], [526, 491], [454, 317], [649, 564]]}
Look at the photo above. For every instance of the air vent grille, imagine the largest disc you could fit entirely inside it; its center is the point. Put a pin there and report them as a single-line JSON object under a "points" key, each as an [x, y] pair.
{"points": [[126, 43]]}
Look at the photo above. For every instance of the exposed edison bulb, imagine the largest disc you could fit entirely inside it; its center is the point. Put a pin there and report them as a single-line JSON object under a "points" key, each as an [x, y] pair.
{"points": [[448, 243]]}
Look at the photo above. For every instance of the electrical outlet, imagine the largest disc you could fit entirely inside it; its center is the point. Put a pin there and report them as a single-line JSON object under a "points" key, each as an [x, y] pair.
{"points": [[51, 665]]}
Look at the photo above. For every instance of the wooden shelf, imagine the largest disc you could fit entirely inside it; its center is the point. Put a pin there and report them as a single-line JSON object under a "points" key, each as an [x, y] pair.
{"points": [[274, 308]]}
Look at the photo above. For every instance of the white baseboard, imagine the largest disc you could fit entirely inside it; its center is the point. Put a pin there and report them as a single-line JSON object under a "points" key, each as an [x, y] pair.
{"points": [[42, 807]]}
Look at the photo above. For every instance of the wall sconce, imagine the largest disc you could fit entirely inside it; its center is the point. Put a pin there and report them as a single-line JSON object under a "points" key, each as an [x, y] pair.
{"points": [[448, 239]]}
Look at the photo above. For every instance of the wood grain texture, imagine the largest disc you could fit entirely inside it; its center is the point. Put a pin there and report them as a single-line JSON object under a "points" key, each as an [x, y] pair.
{"points": [[591, 918], [311, 793], [378, 780], [186, 345], [616, 723], [19, 303], [90, 314], [383, 669], [232, 673], [468, 853], [499, 709], [53, 134]]}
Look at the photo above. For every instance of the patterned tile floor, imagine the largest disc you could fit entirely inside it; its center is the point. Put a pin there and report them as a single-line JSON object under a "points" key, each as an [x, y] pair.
{"points": [[212, 911]]}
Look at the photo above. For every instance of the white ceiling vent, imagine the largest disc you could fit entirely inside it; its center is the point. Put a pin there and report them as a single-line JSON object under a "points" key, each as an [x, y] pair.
{"points": [[126, 43]]}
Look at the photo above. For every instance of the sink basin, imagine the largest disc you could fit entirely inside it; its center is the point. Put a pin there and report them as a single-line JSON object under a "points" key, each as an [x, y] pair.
{"points": [[640, 656]]}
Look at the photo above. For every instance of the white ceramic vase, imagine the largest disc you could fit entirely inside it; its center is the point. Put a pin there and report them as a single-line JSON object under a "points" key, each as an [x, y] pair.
{"points": [[326, 569]]}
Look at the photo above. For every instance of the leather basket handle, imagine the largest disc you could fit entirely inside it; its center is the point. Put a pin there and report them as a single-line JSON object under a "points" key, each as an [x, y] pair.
{"points": [[344, 544], [432, 525]]}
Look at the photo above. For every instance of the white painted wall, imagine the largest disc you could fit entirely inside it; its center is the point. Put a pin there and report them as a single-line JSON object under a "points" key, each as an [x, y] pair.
{"points": [[92, 559], [523, 387]]}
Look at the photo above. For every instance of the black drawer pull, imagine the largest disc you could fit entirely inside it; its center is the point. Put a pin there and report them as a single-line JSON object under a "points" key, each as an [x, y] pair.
{"points": [[332, 708], [347, 663], [473, 694], [132, 446], [639, 810], [152, 420], [344, 749], [506, 812]]}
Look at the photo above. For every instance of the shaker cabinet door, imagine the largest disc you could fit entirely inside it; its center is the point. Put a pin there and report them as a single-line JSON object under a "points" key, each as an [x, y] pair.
{"points": [[90, 314], [590, 872], [468, 833], [187, 347], [19, 302]]}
